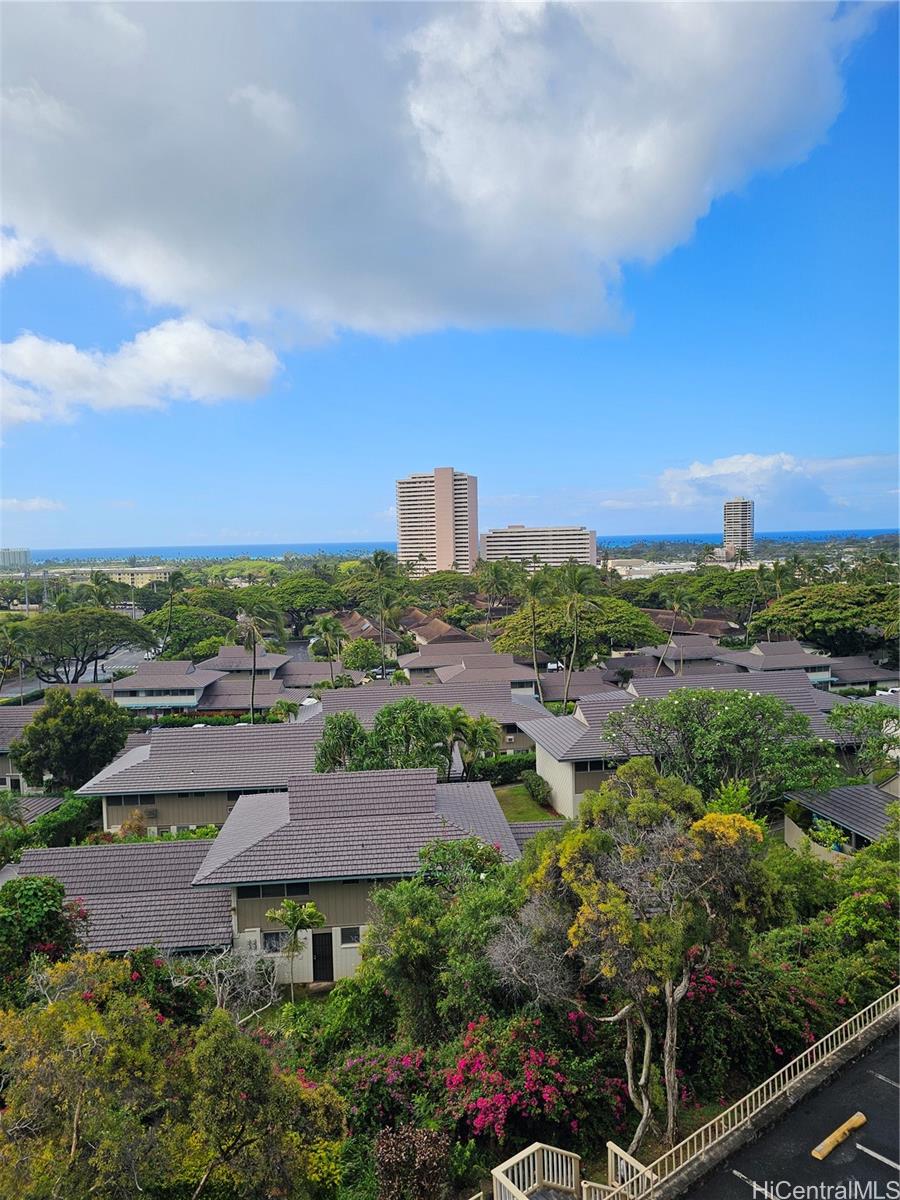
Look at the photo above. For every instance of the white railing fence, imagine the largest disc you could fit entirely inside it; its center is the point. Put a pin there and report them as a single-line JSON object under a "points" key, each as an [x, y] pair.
{"points": [[630, 1180], [536, 1167]]}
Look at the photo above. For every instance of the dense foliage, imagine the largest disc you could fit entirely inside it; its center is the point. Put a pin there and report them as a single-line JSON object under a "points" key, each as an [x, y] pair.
{"points": [[70, 738]]}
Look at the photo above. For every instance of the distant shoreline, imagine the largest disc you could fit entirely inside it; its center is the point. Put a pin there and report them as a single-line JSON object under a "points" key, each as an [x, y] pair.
{"points": [[276, 550]]}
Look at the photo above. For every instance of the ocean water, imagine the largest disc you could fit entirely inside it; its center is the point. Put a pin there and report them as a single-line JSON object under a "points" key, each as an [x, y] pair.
{"points": [[361, 549]]}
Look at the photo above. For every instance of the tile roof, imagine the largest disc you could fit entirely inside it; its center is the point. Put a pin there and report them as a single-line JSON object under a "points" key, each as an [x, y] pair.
{"points": [[574, 738], [13, 719], [160, 675], [710, 626], [795, 661], [234, 693], [300, 674], [239, 658], [683, 647], [34, 806], [524, 831], [494, 699], [857, 807], [139, 894], [366, 824], [430, 629], [583, 683], [355, 625], [229, 758], [857, 668], [483, 670]]}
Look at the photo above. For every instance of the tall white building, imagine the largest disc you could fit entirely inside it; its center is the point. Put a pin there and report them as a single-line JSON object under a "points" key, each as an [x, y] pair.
{"points": [[553, 545], [738, 526], [437, 521], [15, 560]]}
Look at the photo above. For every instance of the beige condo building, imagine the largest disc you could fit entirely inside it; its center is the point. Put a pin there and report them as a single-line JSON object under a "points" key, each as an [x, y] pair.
{"points": [[552, 545], [437, 521]]}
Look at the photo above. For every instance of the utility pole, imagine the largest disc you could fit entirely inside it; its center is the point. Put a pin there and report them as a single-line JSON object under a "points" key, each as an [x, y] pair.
{"points": [[46, 593]]}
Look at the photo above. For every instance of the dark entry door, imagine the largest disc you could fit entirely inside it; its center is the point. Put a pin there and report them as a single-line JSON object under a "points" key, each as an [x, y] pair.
{"points": [[323, 958]]}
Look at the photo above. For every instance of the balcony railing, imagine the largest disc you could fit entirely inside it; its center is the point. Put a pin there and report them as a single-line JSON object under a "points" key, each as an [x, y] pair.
{"points": [[542, 1169]]}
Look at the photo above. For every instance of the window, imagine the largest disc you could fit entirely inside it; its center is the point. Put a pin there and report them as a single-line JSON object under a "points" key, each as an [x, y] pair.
{"points": [[593, 764], [296, 889], [255, 891], [272, 889], [273, 943], [350, 935], [248, 892]]}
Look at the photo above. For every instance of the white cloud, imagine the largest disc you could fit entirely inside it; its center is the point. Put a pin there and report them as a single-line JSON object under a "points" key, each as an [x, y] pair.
{"points": [[33, 504], [15, 253], [175, 360], [398, 168]]}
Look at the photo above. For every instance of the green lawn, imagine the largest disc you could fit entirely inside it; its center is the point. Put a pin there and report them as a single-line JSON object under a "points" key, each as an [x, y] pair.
{"points": [[517, 805]]}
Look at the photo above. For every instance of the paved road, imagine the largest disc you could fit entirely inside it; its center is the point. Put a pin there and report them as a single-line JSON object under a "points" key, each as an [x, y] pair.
{"points": [[869, 1085]]}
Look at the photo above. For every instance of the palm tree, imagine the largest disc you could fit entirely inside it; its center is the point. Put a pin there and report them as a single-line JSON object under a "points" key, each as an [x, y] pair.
{"points": [[576, 583], [493, 579], [458, 732], [741, 556], [678, 601], [482, 737], [380, 571], [283, 710], [328, 630], [262, 619], [533, 590], [296, 918], [177, 583], [11, 809]]}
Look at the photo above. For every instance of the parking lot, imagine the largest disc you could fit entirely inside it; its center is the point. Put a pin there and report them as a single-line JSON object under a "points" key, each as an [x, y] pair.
{"points": [[864, 1167]]}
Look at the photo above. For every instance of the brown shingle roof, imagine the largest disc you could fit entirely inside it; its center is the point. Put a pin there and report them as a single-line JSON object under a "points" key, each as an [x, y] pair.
{"points": [[233, 758], [298, 674], [493, 699], [861, 808], [366, 824], [234, 693], [355, 625], [239, 658], [573, 739], [139, 894], [13, 719]]}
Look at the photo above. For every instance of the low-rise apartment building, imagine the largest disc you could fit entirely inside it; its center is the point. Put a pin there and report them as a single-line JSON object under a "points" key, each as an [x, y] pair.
{"points": [[13, 719], [541, 545], [184, 778], [327, 839]]}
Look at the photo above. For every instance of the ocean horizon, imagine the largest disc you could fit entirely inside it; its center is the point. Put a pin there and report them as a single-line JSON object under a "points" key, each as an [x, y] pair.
{"points": [[275, 550]]}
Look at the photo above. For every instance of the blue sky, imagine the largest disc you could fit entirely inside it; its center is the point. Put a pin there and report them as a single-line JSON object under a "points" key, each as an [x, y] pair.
{"points": [[299, 345]]}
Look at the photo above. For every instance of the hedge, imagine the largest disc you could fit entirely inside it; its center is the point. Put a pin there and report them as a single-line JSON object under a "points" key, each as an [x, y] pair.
{"points": [[504, 768]]}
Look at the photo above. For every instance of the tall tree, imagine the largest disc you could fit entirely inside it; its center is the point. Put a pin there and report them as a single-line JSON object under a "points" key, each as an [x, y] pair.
{"points": [[256, 623], [494, 578], [70, 739], [330, 632], [576, 585], [533, 591], [60, 647], [679, 602], [381, 574]]}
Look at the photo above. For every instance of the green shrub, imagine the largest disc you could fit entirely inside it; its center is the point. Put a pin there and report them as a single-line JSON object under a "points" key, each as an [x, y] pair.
{"points": [[504, 768], [537, 788]]}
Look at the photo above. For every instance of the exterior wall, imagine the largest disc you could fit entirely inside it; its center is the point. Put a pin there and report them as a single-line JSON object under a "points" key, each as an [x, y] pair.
{"points": [[342, 904], [892, 786], [150, 699], [588, 781], [795, 838], [561, 778], [520, 743], [11, 778], [199, 808]]}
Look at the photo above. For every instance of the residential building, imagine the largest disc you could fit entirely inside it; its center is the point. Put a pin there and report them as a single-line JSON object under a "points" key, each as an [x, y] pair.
{"points": [[572, 753], [163, 686], [789, 655], [430, 630], [183, 778], [15, 559], [140, 576], [430, 661], [551, 545], [737, 531], [13, 719], [857, 670], [492, 699], [238, 660], [711, 627], [326, 839], [589, 682], [860, 810], [355, 625], [437, 521], [300, 674]]}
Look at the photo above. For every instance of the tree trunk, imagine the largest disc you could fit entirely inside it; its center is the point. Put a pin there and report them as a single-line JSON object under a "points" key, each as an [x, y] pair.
{"points": [[534, 661], [643, 1086], [668, 644], [571, 662], [674, 995], [331, 662], [253, 685]]}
